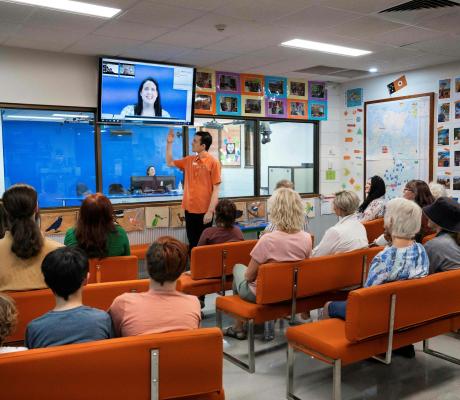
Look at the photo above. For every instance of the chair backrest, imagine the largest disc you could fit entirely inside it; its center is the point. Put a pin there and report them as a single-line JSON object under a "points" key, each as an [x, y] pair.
{"points": [[428, 238], [207, 261], [118, 368], [418, 301], [373, 229], [315, 275], [111, 269], [34, 303]]}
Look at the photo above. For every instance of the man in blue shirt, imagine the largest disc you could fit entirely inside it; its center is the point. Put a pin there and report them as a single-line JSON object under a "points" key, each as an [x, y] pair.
{"points": [[65, 271]]}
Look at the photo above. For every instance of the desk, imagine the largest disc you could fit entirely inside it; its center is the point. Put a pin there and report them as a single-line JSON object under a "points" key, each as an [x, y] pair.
{"points": [[255, 225], [131, 198]]}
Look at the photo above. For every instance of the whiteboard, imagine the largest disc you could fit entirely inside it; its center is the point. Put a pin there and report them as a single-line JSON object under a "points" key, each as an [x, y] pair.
{"points": [[399, 140]]}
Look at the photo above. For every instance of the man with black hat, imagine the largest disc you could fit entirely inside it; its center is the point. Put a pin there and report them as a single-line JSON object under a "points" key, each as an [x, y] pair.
{"points": [[444, 250]]}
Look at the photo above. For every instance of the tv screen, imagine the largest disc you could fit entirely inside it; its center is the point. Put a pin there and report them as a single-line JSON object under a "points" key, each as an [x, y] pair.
{"points": [[145, 92]]}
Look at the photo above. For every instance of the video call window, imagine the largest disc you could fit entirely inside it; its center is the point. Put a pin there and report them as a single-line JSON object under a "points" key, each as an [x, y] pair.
{"points": [[232, 145], [286, 152], [134, 165], [51, 150]]}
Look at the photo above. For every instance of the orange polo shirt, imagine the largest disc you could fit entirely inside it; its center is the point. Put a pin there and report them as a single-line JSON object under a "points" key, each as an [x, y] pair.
{"points": [[201, 174]]}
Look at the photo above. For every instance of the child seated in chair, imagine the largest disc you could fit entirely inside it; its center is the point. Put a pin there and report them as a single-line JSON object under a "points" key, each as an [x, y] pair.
{"points": [[8, 321]]}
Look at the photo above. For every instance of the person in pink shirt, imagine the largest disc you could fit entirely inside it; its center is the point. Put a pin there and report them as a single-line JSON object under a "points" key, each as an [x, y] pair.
{"points": [[161, 308], [287, 243]]}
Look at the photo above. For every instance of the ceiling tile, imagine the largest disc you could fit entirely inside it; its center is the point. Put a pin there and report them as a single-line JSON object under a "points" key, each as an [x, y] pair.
{"points": [[316, 17], [204, 5], [60, 20], [407, 35], [414, 17], [34, 44], [7, 28], [63, 37], [130, 30], [154, 52], [368, 28], [188, 39], [447, 23], [102, 45], [15, 13], [361, 6], [201, 57], [448, 45], [123, 4], [264, 11], [155, 14]]}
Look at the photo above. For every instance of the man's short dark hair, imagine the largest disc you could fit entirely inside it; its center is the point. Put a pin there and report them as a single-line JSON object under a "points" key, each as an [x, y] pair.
{"points": [[65, 269], [205, 138], [166, 259]]}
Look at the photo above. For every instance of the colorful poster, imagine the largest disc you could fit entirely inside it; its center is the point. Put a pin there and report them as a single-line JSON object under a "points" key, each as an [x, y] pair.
{"points": [[57, 222], [230, 146], [205, 80], [355, 97], [444, 89]]}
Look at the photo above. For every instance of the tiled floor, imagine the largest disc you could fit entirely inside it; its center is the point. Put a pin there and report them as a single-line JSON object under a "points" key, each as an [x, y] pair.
{"points": [[423, 378]]}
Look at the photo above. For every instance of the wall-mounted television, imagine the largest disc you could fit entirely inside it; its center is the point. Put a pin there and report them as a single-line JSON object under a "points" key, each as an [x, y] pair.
{"points": [[133, 91]]}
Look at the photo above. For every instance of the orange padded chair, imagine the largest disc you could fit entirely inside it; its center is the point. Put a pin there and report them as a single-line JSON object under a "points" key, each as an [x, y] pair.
{"points": [[33, 303], [173, 365], [379, 319], [211, 267], [111, 269], [373, 229], [139, 250], [284, 289]]}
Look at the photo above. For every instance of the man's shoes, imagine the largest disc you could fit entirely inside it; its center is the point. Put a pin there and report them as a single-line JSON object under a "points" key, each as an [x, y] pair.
{"points": [[406, 351]]}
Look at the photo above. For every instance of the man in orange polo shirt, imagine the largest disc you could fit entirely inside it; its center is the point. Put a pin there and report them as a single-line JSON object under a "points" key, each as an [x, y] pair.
{"points": [[201, 189]]}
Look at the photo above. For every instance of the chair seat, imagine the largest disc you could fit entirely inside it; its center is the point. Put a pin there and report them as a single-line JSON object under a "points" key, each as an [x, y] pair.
{"points": [[328, 338], [139, 250], [201, 287], [266, 312]]}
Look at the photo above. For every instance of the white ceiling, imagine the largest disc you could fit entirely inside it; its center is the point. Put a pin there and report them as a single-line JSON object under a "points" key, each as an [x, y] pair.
{"points": [[183, 31]]}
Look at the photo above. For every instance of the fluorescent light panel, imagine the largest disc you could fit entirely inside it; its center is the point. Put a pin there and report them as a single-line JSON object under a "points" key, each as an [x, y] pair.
{"points": [[325, 47], [72, 6]]}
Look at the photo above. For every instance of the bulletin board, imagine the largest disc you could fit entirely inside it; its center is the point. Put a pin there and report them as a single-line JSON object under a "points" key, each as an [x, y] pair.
{"points": [[399, 140]]}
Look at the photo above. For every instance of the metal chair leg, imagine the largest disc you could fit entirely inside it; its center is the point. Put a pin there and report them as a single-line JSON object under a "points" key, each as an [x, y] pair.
{"points": [[337, 380], [434, 353]]}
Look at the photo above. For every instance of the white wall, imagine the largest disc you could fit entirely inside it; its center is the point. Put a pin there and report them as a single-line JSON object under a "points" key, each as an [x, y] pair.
{"points": [[39, 77], [418, 81]]}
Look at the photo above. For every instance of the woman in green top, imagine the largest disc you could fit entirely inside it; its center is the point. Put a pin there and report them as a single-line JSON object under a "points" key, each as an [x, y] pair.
{"points": [[96, 233]]}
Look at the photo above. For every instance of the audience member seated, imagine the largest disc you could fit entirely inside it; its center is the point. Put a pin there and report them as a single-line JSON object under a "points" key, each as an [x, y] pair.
{"points": [[162, 308], [8, 321], [443, 250], [437, 190], [3, 221], [404, 259], [96, 232], [66, 271], [284, 183], [346, 235], [419, 192], [373, 206], [287, 243], [23, 247], [225, 231]]}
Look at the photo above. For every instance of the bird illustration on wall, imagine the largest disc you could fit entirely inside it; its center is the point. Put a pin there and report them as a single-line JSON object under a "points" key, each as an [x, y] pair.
{"points": [[55, 225], [156, 220], [181, 218]]}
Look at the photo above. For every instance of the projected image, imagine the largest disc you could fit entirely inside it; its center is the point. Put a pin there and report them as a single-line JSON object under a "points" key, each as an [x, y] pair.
{"points": [[134, 91]]}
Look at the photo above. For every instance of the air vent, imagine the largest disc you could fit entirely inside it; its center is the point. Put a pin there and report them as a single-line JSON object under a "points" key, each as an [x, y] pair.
{"points": [[333, 71], [421, 4]]}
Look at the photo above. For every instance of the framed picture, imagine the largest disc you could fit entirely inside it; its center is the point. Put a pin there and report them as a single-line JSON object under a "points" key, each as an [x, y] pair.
{"points": [[253, 106], [156, 217], [228, 82], [317, 110], [57, 223], [252, 85], [297, 109], [205, 80], [297, 89], [205, 103], [317, 90], [275, 86], [228, 104], [275, 108], [176, 217], [444, 89], [354, 97], [230, 146]]}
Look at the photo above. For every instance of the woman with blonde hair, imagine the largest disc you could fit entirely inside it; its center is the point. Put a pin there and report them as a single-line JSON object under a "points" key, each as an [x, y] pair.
{"points": [[287, 243], [8, 321]]}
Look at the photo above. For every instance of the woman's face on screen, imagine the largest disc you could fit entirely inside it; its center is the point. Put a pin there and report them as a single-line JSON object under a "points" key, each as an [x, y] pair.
{"points": [[149, 92], [151, 171]]}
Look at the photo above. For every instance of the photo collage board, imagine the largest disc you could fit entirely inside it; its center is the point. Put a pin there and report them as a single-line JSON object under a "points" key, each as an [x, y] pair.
{"points": [[447, 137], [250, 95]]}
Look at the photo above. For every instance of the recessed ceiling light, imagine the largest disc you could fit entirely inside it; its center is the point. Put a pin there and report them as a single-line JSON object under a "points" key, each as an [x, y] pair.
{"points": [[373, 69], [72, 6], [325, 47]]}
